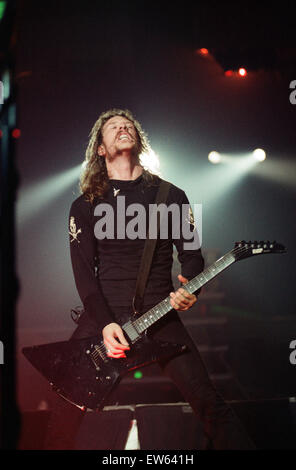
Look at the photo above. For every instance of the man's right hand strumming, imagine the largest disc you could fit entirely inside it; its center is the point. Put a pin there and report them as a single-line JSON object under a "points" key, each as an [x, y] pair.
{"points": [[115, 347]]}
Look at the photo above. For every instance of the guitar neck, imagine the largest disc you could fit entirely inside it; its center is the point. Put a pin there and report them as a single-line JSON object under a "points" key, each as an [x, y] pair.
{"points": [[162, 308]]}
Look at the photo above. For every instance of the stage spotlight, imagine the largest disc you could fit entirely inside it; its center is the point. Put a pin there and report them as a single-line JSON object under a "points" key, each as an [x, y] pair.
{"points": [[16, 133], [150, 161], [203, 51], [214, 157], [259, 155], [242, 72]]}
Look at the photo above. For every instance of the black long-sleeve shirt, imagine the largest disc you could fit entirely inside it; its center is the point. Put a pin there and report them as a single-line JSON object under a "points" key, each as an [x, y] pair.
{"points": [[106, 269]]}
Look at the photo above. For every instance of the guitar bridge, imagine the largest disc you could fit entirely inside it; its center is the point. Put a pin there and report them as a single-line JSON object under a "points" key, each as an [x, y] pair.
{"points": [[96, 355]]}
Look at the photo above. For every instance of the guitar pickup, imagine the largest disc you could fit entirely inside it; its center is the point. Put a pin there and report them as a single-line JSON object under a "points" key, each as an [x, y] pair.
{"points": [[131, 331]]}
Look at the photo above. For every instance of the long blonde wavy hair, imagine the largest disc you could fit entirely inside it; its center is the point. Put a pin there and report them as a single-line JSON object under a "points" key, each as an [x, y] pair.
{"points": [[94, 180]]}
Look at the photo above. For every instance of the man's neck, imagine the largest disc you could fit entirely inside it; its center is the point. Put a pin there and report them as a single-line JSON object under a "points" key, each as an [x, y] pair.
{"points": [[123, 169]]}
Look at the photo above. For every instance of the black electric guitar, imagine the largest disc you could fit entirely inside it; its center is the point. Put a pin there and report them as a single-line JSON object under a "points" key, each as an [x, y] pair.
{"points": [[81, 372]]}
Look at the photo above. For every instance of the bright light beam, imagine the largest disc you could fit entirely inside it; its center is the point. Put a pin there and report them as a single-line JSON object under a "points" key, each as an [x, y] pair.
{"points": [[36, 197], [150, 161], [280, 170], [218, 180]]}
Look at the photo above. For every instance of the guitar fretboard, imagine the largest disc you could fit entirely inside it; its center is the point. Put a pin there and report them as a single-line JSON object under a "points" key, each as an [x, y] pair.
{"points": [[162, 308]]}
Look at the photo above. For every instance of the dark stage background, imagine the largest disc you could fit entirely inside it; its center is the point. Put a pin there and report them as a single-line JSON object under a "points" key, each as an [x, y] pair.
{"points": [[75, 60]]}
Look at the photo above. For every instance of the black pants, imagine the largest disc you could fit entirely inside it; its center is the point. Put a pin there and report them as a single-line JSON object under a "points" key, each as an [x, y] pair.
{"points": [[222, 428]]}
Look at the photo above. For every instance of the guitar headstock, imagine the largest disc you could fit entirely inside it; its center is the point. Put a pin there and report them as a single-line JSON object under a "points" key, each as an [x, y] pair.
{"points": [[245, 249]]}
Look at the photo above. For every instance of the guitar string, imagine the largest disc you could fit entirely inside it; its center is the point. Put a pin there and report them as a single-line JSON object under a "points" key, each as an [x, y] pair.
{"points": [[204, 273], [235, 251], [144, 320]]}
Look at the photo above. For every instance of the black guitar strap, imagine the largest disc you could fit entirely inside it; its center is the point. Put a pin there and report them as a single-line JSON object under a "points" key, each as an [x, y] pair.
{"points": [[148, 251]]}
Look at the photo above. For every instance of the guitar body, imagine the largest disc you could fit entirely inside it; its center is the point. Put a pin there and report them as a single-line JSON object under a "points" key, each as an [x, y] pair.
{"points": [[80, 371]]}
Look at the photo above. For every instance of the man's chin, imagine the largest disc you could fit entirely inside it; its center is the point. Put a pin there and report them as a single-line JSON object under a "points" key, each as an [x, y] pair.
{"points": [[132, 148]]}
